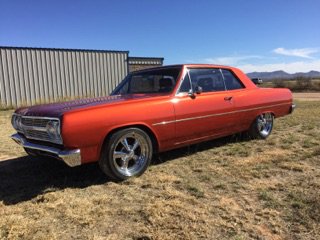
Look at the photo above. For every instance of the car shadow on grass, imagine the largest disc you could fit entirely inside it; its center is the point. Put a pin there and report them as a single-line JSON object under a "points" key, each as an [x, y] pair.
{"points": [[200, 147], [24, 178]]}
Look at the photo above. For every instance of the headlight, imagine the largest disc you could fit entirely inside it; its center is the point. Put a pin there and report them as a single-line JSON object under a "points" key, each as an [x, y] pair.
{"points": [[53, 129], [19, 123], [13, 121], [16, 122]]}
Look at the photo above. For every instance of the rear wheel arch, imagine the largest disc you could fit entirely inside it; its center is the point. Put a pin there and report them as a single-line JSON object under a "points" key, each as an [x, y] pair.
{"points": [[262, 112], [273, 113]]}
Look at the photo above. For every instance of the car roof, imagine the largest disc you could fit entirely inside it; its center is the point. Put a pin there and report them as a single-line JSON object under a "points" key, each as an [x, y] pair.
{"points": [[185, 65]]}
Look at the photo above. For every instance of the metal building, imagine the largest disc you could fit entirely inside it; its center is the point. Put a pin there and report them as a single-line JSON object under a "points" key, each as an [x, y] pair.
{"points": [[38, 75], [139, 63]]}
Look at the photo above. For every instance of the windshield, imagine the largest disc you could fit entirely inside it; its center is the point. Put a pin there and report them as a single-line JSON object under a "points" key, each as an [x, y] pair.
{"points": [[152, 81]]}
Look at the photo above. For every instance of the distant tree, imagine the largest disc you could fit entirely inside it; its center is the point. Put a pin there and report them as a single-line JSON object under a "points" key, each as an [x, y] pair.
{"points": [[278, 83], [303, 83]]}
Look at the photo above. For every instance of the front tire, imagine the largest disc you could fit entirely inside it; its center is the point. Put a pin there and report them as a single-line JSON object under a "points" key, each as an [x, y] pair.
{"points": [[262, 126], [127, 153]]}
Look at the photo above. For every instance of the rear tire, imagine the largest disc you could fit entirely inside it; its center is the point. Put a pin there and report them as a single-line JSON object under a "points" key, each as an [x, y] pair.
{"points": [[262, 126], [126, 153]]}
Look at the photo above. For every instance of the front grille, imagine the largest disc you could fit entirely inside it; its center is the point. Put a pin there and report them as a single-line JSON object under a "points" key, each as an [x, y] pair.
{"points": [[36, 128], [35, 122], [37, 134]]}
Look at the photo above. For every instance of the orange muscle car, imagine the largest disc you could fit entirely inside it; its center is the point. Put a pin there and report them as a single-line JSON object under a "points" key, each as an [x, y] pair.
{"points": [[150, 111]]}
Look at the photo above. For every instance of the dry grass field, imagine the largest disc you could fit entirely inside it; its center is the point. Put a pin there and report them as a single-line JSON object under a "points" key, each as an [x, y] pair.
{"points": [[231, 188], [299, 85]]}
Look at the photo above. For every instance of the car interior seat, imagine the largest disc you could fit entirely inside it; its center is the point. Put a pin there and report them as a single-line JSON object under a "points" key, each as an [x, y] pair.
{"points": [[165, 84], [205, 84]]}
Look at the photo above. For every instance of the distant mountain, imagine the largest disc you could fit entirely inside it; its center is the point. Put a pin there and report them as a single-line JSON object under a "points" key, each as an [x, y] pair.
{"points": [[283, 75]]}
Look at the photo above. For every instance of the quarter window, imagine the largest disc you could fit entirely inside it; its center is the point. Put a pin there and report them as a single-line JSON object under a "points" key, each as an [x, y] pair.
{"points": [[185, 85]]}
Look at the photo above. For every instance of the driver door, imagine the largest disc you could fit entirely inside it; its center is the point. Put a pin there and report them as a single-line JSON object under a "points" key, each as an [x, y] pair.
{"points": [[207, 114]]}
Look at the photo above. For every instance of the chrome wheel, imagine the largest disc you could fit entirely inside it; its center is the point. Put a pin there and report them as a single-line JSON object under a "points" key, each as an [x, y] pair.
{"points": [[130, 154], [126, 153], [264, 124]]}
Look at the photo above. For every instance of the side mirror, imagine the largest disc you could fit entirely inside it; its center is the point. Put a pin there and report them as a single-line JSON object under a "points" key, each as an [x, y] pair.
{"points": [[198, 89], [191, 93]]}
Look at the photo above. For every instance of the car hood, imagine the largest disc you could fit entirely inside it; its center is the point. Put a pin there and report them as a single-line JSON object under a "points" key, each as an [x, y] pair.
{"points": [[57, 109]]}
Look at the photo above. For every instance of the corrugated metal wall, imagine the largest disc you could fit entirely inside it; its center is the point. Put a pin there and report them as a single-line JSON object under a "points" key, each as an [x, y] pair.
{"points": [[146, 61], [140, 63], [35, 75]]}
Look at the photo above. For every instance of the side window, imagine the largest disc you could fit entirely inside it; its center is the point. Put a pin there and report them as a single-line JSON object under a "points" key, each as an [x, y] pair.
{"points": [[209, 79], [124, 89], [232, 82], [141, 83], [185, 86]]}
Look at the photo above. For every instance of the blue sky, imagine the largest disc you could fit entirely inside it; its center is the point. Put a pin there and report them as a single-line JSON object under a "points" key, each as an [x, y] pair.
{"points": [[253, 35]]}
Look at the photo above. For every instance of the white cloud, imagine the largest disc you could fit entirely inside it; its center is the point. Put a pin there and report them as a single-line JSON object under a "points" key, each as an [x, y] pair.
{"points": [[298, 52], [233, 60], [292, 67], [254, 63]]}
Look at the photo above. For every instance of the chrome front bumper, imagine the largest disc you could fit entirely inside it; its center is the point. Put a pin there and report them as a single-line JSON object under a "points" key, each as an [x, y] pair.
{"points": [[293, 106], [71, 157]]}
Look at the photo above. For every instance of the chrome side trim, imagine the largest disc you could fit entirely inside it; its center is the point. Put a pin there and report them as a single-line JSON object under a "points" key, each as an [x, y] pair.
{"points": [[71, 157], [164, 123], [216, 114]]}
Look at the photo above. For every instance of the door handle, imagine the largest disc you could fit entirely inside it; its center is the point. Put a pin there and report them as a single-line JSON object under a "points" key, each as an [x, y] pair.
{"points": [[228, 98]]}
